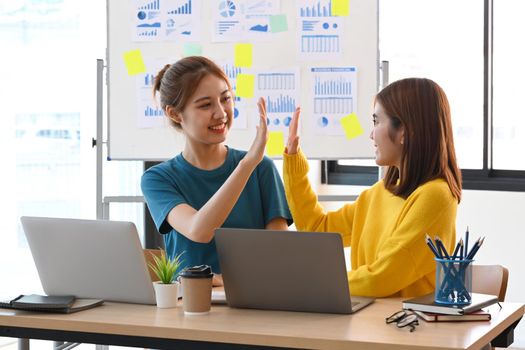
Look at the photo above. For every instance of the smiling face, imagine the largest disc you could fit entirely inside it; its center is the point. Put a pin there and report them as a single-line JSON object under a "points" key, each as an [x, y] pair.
{"points": [[207, 117], [387, 140]]}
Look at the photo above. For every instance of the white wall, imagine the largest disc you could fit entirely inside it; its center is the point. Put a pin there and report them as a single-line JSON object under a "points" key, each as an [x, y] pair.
{"points": [[499, 216]]}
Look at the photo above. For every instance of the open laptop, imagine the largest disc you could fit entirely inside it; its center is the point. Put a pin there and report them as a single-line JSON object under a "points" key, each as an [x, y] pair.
{"points": [[89, 259], [285, 270]]}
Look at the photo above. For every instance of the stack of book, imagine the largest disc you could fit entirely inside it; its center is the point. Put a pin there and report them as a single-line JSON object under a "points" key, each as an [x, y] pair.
{"points": [[427, 309]]}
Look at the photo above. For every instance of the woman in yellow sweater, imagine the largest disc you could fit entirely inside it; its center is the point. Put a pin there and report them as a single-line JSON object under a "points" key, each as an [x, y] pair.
{"points": [[386, 226]]}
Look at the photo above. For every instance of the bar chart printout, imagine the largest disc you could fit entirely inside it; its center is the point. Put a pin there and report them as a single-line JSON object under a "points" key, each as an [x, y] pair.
{"points": [[240, 111], [281, 91], [181, 19], [319, 33], [149, 113], [335, 96], [166, 20]]}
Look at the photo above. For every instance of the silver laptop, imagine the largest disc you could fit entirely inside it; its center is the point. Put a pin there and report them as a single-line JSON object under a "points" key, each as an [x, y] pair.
{"points": [[89, 259], [285, 270]]}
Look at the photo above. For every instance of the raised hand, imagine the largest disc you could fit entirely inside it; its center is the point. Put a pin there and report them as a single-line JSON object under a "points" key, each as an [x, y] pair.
{"points": [[292, 144], [256, 152]]}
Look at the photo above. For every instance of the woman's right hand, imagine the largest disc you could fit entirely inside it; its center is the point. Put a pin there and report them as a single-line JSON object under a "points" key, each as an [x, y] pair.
{"points": [[292, 146], [256, 152]]}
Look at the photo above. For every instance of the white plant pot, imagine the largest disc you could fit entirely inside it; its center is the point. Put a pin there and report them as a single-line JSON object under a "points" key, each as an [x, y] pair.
{"points": [[167, 295]]}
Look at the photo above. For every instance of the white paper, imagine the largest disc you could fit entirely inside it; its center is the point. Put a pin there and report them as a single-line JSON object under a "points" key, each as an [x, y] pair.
{"points": [[318, 33], [149, 112], [240, 110], [235, 20], [335, 96], [172, 20], [182, 20], [147, 20], [280, 88]]}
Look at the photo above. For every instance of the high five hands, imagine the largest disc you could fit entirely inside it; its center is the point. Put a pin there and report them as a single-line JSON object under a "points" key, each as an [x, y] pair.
{"points": [[256, 151]]}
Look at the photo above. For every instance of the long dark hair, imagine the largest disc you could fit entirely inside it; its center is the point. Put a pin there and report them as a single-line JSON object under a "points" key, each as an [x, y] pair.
{"points": [[421, 107]]}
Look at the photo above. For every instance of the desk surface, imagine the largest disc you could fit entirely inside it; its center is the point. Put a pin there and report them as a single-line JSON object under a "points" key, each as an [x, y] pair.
{"points": [[364, 330]]}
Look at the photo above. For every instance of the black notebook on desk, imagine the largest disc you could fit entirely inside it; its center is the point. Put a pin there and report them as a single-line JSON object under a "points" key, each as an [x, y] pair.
{"points": [[50, 303], [426, 303]]}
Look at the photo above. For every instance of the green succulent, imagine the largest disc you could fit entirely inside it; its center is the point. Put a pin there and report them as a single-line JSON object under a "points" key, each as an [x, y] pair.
{"points": [[165, 268]]}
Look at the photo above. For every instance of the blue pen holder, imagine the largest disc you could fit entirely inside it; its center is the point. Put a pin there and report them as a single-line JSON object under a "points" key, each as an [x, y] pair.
{"points": [[453, 282]]}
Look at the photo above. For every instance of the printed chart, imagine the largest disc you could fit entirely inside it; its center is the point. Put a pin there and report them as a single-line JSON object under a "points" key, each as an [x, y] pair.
{"points": [[240, 120], [174, 20], [280, 88], [335, 96], [149, 113], [235, 20], [319, 33]]}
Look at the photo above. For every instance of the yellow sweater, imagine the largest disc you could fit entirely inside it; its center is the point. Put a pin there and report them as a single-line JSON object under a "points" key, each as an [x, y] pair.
{"points": [[386, 233]]}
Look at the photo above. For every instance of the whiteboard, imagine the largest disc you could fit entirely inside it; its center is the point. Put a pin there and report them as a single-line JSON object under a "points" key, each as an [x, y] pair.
{"points": [[359, 46]]}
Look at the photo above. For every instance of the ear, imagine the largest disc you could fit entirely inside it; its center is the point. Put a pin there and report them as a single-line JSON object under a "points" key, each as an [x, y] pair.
{"points": [[174, 116], [402, 135]]}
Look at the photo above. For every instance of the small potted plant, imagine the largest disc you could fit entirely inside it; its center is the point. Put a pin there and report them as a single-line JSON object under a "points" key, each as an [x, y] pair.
{"points": [[167, 287]]}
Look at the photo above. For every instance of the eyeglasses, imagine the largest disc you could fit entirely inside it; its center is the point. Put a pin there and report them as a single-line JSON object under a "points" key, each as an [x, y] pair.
{"points": [[404, 318]]}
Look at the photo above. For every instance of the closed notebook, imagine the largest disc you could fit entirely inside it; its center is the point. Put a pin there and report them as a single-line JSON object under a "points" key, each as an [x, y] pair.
{"points": [[426, 303], [36, 301], [479, 315], [44, 303]]}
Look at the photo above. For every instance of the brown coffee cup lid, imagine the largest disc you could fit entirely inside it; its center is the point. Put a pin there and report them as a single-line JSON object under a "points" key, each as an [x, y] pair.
{"points": [[199, 271]]}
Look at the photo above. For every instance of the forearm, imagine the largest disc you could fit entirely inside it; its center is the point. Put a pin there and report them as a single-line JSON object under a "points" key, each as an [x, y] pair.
{"points": [[308, 214], [199, 225], [400, 268]]}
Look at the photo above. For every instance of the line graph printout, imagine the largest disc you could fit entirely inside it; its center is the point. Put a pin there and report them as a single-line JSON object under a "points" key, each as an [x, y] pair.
{"points": [[280, 88], [235, 20], [170, 20], [335, 96], [319, 33], [149, 113]]}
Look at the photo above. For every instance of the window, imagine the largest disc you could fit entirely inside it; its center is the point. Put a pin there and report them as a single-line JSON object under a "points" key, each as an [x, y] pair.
{"points": [[465, 47], [508, 77]]}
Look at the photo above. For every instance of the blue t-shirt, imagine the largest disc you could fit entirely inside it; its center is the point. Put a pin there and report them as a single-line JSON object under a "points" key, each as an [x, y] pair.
{"points": [[176, 181]]}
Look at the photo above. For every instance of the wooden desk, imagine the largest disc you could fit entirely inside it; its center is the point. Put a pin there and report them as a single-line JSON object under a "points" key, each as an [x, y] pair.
{"points": [[148, 326]]}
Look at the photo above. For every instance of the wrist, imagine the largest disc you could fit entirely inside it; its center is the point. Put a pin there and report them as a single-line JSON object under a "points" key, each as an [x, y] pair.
{"points": [[246, 164]]}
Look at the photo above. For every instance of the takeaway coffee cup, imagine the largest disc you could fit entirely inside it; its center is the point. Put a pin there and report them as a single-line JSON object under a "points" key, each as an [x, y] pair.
{"points": [[196, 289]]}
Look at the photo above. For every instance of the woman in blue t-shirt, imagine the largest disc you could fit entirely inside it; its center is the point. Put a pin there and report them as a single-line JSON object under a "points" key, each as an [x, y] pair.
{"points": [[209, 184]]}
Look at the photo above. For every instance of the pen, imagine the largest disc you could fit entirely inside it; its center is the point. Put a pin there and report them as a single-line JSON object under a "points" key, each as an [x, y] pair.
{"points": [[457, 250], [475, 248], [466, 242], [441, 247], [432, 247]]}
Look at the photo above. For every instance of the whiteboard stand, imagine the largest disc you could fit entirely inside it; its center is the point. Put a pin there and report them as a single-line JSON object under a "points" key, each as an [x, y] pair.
{"points": [[98, 142]]}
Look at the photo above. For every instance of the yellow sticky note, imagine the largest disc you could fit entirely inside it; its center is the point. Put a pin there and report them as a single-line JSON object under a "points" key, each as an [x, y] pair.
{"points": [[134, 62], [243, 55], [340, 7], [275, 145], [351, 125], [245, 85]]}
